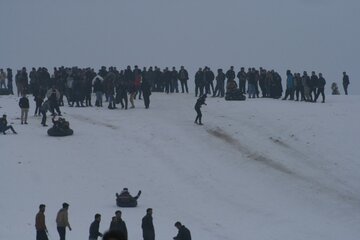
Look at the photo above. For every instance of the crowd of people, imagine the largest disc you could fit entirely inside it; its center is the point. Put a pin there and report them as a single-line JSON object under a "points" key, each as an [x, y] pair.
{"points": [[116, 231], [115, 86]]}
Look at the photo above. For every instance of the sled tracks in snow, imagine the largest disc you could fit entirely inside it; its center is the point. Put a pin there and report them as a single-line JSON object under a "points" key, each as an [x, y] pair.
{"points": [[220, 134], [345, 195], [92, 121]]}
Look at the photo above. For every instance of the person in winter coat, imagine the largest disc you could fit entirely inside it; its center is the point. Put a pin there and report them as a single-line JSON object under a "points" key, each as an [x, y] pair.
{"points": [[62, 221], [209, 80], [183, 234], [2, 79], [146, 90], [199, 103], [53, 96], [45, 107], [147, 225], [94, 228], [183, 77], [305, 82], [314, 80], [10, 81], [242, 80], [321, 88], [289, 86], [118, 225], [4, 125], [299, 88], [24, 105], [199, 82], [174, 86], [230, 74], [41, 229], [346, 82], [220, 84], [98, 90], [38, 101]]}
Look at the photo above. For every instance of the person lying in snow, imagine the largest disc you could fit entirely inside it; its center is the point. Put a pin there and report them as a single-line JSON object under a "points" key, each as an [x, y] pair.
{"points": [[124, 199]]}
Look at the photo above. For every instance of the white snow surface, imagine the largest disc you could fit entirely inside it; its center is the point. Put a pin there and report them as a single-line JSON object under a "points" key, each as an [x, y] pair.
{"points": [[259, 169]]}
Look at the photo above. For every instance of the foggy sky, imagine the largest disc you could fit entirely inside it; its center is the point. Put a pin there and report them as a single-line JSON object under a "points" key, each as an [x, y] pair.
{"points": [[319, 35]]}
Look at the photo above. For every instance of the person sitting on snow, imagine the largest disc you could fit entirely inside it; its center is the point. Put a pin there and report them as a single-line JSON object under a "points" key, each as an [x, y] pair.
{"points": [[124, 199], [4, 125]]}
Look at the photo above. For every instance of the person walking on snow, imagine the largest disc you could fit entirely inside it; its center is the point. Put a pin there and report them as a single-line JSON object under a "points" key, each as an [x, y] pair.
{"points": [[199, 103], [41, 230], [94, 228], [62, 221], [147, 226]]}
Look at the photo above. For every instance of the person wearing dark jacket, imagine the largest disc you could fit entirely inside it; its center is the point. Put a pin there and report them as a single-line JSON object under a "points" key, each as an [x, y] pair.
{"points": [[4, 125], [183, 234], [183, 77], [38, 102], [320, 88], [118, 225], [199, 103], [199, 82], [43, 110], [147, 226], [94, 228], [346, 82], [220, 84], [24, 105], [41, 229], [10, 81], [146, 90], [230, 74], [98, 90]]}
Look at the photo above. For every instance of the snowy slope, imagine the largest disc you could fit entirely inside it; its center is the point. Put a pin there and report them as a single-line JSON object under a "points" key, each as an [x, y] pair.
{"points": [[259, 169]]}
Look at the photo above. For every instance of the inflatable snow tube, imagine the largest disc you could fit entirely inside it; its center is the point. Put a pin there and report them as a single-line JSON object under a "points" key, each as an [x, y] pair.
{"points": [[56, 132], [235, 96], [126, 203], [4, 91]]}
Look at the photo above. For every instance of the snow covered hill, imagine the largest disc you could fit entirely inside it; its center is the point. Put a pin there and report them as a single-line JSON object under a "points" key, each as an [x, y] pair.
{"points": [[259, 169]]}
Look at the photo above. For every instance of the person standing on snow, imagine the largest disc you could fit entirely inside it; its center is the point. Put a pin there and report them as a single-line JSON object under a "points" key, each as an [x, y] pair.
{"points": [[346, 82], [41, 229], [62, 221], [321, 88], [94, 228], [199, 103], [118, 225], [24, 105], [183, 234], [147, 226]]}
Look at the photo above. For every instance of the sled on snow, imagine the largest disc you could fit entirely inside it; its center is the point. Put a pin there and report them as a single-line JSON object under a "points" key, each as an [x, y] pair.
{"points": [[235, 95]]}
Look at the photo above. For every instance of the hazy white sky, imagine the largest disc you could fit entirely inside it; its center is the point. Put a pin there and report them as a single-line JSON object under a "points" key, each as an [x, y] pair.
{"points": [[320, 35]]}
